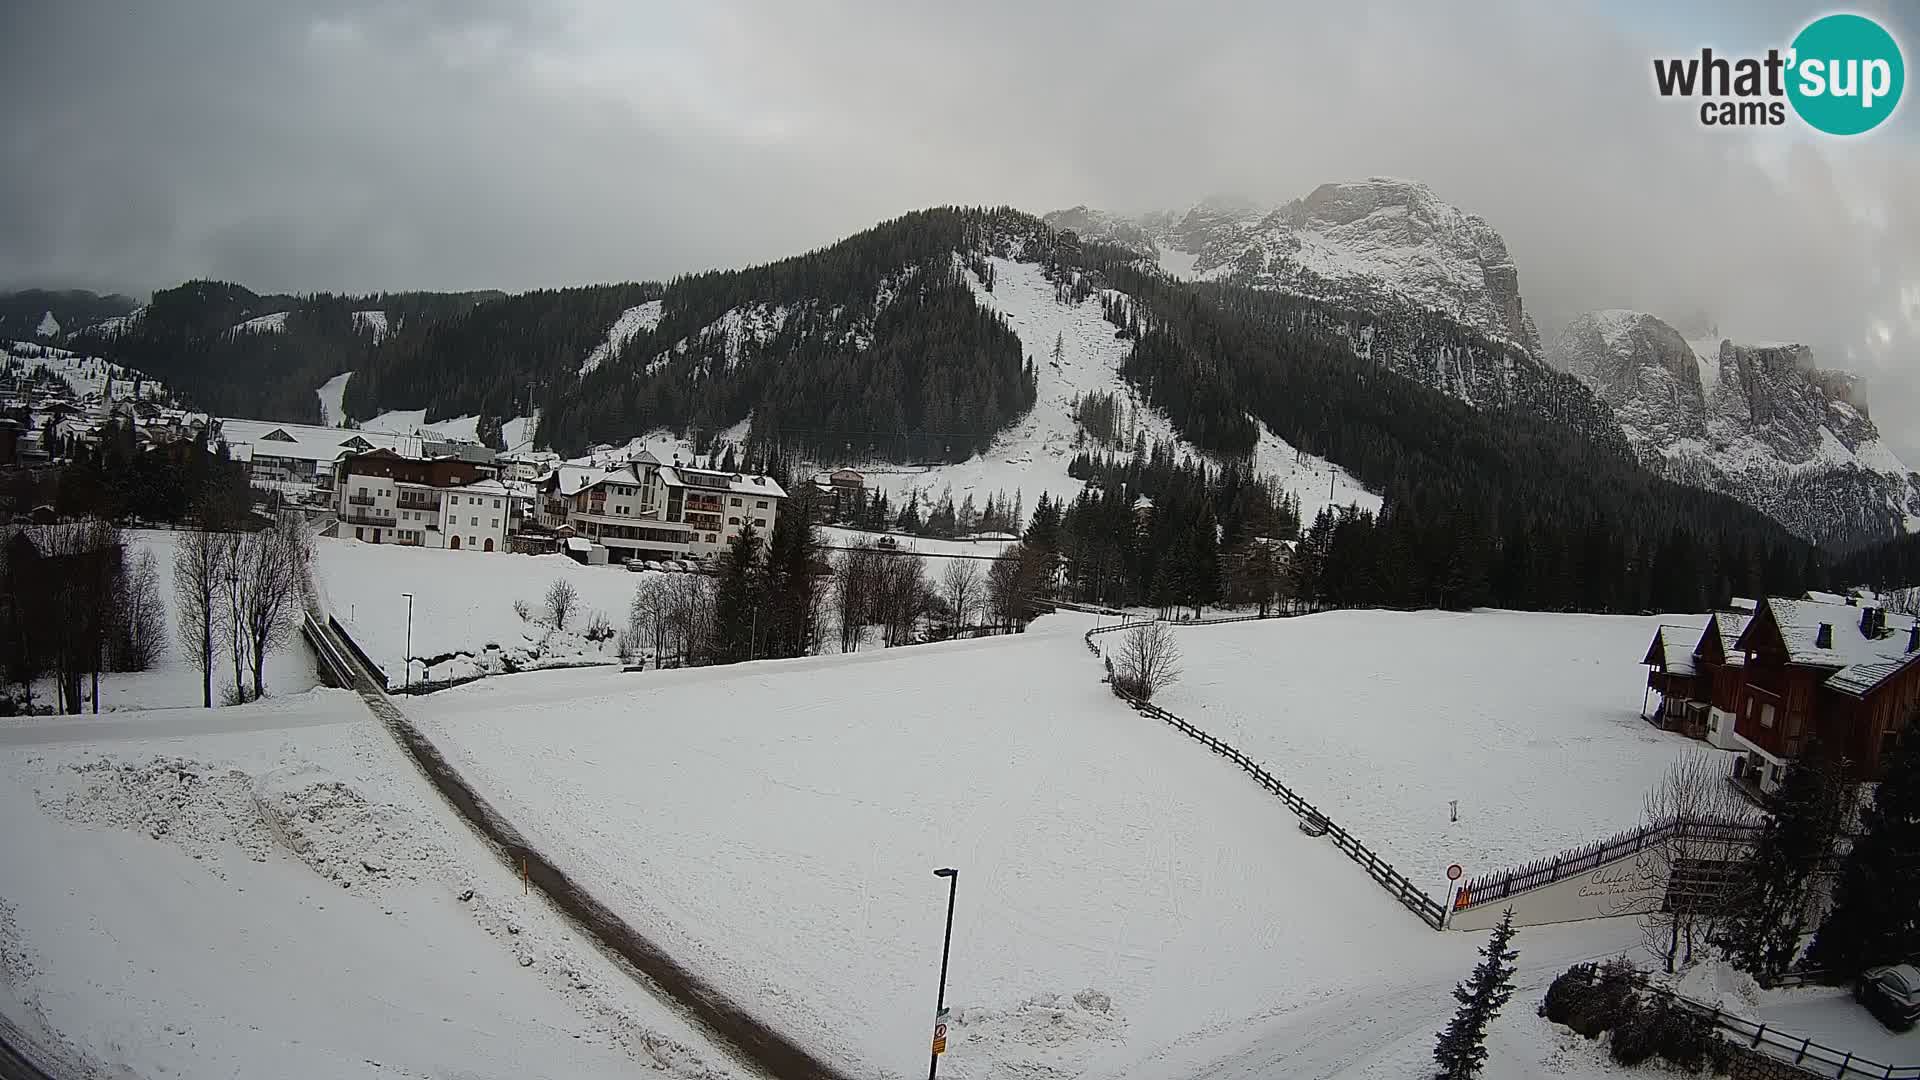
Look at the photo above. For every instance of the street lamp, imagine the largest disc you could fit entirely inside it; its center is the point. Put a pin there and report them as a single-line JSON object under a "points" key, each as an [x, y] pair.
{"points": [[946, 949], [407, 679]]}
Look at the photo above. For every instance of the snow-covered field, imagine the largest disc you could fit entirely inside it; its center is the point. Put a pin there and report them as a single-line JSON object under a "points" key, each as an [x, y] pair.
{"points": [[288, 898], [1127, 904], [1032, 455], [174, 682], [463, 603], [1531, 721]]}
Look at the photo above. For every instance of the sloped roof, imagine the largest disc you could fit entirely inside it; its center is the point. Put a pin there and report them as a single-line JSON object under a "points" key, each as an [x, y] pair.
{"points": [[1730, 628], [1859, 662], [309, 442], [1672, 649]]}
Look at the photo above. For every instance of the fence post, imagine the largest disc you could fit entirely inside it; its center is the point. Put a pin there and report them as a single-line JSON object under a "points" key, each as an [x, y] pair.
{"points": [[1763, 1031]]}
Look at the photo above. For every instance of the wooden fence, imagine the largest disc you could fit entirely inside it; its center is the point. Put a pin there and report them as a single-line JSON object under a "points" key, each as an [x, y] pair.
{"points": [[1499, 885], [1430, 911]]}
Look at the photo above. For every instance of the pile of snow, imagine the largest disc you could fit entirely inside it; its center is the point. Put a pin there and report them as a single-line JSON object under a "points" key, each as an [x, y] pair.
{"points": [[289, 900], [275, 323], [376, 321], [1530, 721], [332, 392], [463, 606], [638, 319], [1032, 455], [1123, 894]]}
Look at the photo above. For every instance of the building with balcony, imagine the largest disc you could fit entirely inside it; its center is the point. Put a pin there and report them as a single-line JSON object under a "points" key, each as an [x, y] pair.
{"points": [[643, 509], [384, 497]]}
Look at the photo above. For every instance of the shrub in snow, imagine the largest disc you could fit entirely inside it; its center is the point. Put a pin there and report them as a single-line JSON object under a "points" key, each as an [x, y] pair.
{"points": [[1592, 999], [561, 600], [1659, 1027], [1149, 661], [599, 627], [521, 609]]}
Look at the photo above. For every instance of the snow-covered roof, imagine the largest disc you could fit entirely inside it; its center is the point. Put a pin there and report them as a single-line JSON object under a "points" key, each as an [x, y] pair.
{"points": [[1730, 627], [1860, 662], [484, 487], [309, 442], [579, 543], [1672, 649], [738, 483], [1742, 603], [1819, 597]]}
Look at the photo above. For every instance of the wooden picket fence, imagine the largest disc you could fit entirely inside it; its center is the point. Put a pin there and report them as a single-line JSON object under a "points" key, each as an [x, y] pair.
{"points": [[1498, 886], [1430, 911]]}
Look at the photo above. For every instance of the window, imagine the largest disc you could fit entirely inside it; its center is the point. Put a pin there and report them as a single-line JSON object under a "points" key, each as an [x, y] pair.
{"points": [[363, 491], [736, 502], [710, 538], [496, 523], [472, 541], [761, 505], [1887, 739], [496, 504], [1766, 716], [759, 523], [473, 521], [733, 521]]}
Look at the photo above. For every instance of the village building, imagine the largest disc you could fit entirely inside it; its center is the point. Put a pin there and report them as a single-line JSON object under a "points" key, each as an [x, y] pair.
{"points": [[1830, 670], [384, 497], [643, 509]]}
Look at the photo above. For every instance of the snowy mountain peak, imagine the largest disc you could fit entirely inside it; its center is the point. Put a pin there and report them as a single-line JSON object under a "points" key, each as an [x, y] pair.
{"points": [[1360, 243], [1762, 422]]}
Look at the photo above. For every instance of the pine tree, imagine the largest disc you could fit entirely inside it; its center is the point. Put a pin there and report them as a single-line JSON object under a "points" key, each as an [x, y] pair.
{"points": [[1874, 919], [737, 598], [1462, 1048], [1763, 933]]}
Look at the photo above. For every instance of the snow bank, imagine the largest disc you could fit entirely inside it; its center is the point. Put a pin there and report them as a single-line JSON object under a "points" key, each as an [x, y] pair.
{"points": [[293, 903], [1530, 721], [776, 824]]}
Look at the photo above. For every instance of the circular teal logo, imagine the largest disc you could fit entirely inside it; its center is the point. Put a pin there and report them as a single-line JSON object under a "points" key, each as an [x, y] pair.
{"points": [[1847, 74]]}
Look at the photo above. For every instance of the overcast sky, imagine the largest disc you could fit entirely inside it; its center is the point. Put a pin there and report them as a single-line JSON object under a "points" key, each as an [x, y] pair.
{"points": [[361, 145]]}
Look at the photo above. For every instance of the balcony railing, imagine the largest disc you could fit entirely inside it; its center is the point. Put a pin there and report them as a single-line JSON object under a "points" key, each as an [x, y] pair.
{"points": [[415, 502], [369, 517], [360, 500]]}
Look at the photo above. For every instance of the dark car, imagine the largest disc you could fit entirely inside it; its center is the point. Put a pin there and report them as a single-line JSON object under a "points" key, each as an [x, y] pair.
{"points": [[1892, 993]]}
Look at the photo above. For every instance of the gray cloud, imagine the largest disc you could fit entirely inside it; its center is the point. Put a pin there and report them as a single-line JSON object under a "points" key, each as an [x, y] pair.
{"points": [[440, 144]]}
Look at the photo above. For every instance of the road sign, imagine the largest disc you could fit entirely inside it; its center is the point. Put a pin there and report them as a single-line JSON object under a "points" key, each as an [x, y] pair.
{"points": [[1454, 872], [940, 1032]]}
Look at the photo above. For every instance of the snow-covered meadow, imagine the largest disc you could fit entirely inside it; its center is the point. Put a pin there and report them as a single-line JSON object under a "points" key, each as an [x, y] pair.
{"points": [[1382, 719], [1124, 897], [273, 890]]}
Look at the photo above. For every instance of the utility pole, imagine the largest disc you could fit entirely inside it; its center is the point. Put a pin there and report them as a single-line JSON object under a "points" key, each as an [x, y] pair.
{"points": [[407, 679]]}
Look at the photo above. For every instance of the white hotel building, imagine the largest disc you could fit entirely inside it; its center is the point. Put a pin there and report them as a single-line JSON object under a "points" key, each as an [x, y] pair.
{"points": [[647, 510]]}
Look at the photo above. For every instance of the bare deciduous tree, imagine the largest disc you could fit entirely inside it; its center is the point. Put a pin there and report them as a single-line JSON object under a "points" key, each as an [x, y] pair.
{"points": [[277, 572], [69, 588], [854, 585], [199, 566], [1693, 898], [689, 615], [960, 586], [1149, 661], [140, 633], [901, 596], [561, 600], [1012, 582]]}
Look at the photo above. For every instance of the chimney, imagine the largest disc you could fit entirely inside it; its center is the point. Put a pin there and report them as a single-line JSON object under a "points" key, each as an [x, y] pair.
{"points": [[1823, 638], [1866, 623], [1913, 637]]}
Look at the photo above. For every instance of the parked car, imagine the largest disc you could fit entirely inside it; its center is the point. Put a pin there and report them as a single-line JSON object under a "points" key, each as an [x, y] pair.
{"points": [[1891, 993]]}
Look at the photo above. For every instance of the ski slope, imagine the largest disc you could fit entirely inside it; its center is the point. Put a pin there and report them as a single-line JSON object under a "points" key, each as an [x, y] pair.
{"points": [[1032, 455], [1530, 721], [289, 898], [635, 320], [331, 393], [1123, 896], [85, 374]]}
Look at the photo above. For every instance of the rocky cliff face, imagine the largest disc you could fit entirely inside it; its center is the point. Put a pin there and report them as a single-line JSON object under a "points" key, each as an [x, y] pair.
{"points": [[1354, 243], [1762, 423]]}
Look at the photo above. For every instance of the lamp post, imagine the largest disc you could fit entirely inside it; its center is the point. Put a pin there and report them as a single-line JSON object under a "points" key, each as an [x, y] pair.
{"points": [[946, 949], [407, 679]]}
